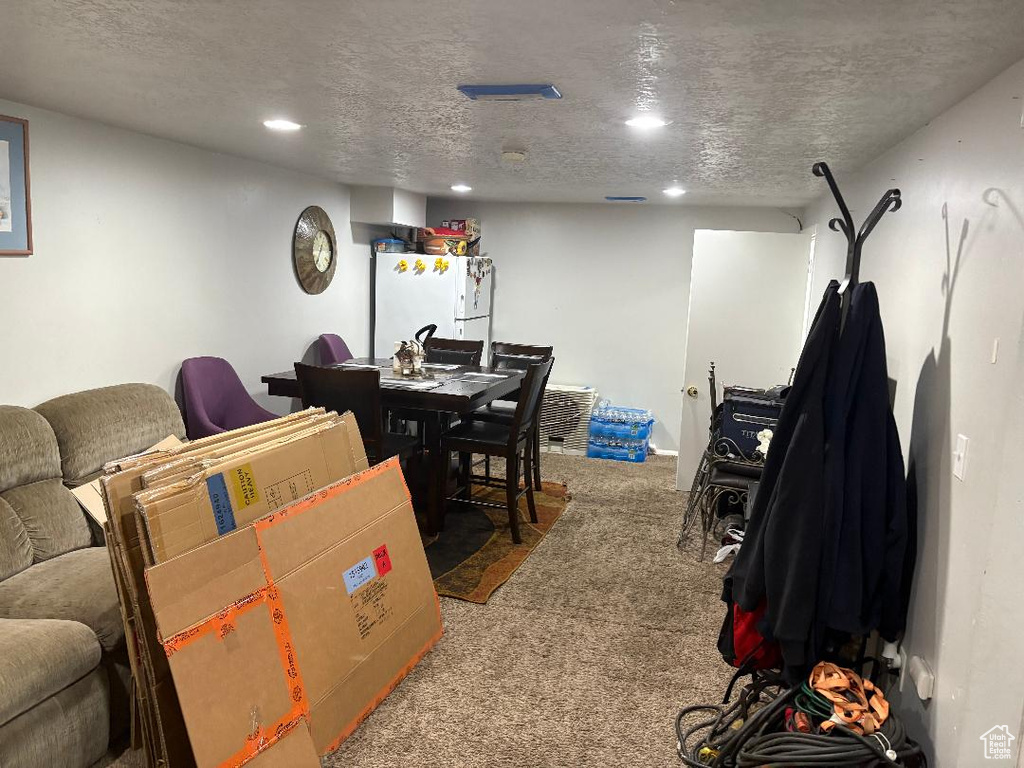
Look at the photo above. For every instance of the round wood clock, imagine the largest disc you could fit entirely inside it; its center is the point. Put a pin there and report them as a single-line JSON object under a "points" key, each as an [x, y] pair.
{"points": [[314, 250]]}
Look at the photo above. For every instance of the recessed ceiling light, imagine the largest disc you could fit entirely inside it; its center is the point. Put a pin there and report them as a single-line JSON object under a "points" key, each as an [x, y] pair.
{"points": [[461, 188], [646, 121], [281, 125], [674, 191]]}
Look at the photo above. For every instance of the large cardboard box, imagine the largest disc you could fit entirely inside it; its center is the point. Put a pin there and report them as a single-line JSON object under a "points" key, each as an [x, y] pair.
{"points": [[158, 728], [310, 616], [236, 489]]}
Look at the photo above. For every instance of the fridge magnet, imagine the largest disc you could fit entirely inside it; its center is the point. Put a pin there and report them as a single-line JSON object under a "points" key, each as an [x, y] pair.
{"points": [[15, 192], [477, 270]]}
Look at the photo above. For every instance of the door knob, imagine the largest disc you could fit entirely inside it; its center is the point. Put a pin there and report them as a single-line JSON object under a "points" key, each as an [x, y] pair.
{"points": [[692, 391]]}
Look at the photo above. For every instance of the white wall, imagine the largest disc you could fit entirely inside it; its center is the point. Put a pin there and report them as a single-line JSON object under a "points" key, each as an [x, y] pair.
{"points": [[148, 252], [606, 285], [949, 267]]}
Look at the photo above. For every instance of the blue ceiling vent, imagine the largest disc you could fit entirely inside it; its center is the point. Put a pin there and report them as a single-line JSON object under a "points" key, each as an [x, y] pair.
{"points": [[510, 92], [625, 199]]}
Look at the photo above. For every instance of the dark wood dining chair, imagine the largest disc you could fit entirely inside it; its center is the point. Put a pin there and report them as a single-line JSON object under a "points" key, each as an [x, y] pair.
{"points": [[453, 351], [356, 390], [512, 441], [506, 355]]}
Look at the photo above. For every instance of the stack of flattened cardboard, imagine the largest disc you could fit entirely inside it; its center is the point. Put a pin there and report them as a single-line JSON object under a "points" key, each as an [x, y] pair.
{"points": [[251, 635]]}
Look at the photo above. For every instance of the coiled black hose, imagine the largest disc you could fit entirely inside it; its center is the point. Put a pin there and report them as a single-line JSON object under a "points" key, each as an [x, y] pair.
{"points": [[840, 747], [751, 732]]}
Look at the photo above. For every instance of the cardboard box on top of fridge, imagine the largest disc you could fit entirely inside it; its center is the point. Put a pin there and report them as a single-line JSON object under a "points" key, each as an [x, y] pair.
{"points": [[469, 227], [313, 613], [243, 486]]}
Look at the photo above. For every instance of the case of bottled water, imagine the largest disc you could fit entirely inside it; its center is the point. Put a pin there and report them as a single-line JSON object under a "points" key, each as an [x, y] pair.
{"points": [[620, 434]]}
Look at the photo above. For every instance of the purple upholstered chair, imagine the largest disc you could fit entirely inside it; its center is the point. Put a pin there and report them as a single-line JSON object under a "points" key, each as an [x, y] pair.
{"points": [[215, 398], [333, 349]]}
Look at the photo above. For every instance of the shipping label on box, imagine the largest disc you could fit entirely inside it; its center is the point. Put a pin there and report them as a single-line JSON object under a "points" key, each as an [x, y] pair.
{"points": [[314, 612]]}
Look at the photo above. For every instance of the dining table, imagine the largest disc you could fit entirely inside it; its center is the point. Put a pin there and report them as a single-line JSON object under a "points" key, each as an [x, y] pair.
{"points": [[432, 397]]}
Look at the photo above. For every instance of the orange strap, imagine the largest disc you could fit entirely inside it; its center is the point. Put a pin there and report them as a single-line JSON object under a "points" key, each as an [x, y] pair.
{"points": [[857, 703]]}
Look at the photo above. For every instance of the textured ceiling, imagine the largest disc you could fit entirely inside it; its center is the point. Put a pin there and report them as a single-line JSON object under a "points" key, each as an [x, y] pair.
{"points": [[757, 90]]}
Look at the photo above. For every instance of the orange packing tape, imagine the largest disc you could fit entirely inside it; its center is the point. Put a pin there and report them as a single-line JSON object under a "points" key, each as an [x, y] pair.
{"points": [[263, 739], [224, 622], [286, 648]]}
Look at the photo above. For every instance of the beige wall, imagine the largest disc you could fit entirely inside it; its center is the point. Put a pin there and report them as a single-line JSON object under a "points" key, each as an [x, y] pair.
{"points": [[148, 252], [949, 267]]}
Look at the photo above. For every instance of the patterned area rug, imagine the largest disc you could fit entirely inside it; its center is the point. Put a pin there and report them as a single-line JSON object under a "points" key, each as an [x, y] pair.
{"points": [[474, 554]]}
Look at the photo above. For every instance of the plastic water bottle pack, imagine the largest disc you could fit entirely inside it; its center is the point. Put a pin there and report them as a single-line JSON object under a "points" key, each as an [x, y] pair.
{"points": [[618, 433]]}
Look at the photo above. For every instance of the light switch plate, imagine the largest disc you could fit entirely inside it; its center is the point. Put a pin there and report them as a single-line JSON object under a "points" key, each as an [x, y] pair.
{"points": [[960, 457]]}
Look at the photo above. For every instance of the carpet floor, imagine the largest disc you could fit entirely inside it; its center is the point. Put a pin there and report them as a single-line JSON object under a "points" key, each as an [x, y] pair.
{"points": [[475, 554], [582, 658]]}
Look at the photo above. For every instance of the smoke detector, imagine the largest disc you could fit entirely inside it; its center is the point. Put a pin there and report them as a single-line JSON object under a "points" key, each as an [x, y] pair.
{"points": [[513, 156]]}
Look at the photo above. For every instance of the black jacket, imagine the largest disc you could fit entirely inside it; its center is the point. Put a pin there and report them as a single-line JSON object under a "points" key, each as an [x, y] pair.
{"points": [[825, 544], [866, 513]]}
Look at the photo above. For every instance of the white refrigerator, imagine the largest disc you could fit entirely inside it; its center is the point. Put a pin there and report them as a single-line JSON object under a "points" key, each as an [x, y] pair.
{"points": [[404, 299]]}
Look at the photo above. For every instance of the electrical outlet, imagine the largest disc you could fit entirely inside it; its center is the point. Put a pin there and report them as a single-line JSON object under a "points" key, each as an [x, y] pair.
{"points": [[960, 457], [922, 677]]}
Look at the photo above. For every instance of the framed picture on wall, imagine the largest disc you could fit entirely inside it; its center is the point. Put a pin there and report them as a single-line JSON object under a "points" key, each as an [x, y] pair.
{"points": [[15, 190]]}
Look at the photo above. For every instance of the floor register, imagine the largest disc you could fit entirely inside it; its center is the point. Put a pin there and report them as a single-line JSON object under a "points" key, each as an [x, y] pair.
{"points": [[274, 590]]}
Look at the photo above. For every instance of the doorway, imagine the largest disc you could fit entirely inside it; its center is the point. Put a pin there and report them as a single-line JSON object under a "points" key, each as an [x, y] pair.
{"points": [[748, 311]]}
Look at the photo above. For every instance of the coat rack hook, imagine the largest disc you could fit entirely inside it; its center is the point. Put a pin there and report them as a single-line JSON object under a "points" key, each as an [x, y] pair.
{"points": [[890, 201], [822, 169]]}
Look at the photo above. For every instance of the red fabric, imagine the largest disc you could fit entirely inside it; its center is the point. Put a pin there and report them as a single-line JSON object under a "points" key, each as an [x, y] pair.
{"points": [[750, 646]]}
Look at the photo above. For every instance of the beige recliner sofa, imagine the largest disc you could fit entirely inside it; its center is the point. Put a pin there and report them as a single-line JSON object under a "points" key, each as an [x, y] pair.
{"points": [[64, 675]]}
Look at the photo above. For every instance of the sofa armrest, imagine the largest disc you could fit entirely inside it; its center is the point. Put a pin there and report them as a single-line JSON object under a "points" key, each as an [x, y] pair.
{"points": [[40, 657]]}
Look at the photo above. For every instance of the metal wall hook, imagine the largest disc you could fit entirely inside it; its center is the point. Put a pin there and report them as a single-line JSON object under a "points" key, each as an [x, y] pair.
{"points": [[890, 201], [822, 169]]}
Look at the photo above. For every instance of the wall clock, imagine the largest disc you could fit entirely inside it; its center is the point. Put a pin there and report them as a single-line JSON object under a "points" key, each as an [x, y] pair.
{"points": [[314, 250]]}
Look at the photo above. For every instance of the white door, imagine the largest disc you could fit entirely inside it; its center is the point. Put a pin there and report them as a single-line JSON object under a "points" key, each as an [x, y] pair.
{"points": [[748, 296]]}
